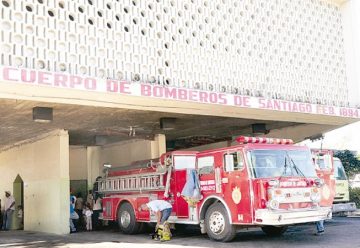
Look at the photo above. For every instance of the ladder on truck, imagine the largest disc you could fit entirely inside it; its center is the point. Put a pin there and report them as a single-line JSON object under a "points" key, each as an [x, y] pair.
{"points": [[132, 183]]}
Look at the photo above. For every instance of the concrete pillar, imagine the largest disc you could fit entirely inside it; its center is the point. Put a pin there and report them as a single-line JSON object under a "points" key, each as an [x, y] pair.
{"points": [[43, 165], [158, 146], [93, 159], [351, 22], [64, 180]]}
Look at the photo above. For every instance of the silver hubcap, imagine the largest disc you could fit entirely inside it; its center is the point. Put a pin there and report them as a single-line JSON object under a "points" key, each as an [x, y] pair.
{"points": [[125, 219], [217, 222]]}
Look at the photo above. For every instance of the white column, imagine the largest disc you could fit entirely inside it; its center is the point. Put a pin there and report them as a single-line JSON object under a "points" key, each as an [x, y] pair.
{"points": [[93, 164], [158, 146], [351, 23]]}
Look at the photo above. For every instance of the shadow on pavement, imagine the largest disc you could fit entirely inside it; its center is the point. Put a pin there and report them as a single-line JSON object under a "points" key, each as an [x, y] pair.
{"points": [[339, 232]]}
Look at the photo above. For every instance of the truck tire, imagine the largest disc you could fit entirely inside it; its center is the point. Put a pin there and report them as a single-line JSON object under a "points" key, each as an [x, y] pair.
{"points": [[344, 214], [126, 219], [274, 231], [218, 225]]}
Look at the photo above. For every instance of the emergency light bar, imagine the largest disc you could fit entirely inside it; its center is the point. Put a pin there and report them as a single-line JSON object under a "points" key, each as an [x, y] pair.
{"points": [[258, 140]]}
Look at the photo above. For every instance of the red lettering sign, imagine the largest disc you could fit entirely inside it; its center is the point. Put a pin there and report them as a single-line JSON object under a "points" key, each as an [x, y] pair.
{"points": [[55, 80]]}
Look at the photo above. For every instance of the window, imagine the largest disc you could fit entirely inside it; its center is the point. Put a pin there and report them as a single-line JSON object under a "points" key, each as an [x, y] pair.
{"points": [[234, 161], [206, 165], [339, 171], [281, 163], [184, 162], [323, 162]]}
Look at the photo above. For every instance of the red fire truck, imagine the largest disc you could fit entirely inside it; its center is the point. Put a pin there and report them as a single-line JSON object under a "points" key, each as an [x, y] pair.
{"points": [[326, 163], [264, 182]]}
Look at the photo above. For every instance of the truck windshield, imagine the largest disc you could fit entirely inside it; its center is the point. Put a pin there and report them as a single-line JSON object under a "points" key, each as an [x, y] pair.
{"points": [[277, 163], [339, 171]]}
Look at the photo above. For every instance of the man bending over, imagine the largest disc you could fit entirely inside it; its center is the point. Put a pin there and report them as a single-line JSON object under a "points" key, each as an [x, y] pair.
{"points": [[161, 208]]}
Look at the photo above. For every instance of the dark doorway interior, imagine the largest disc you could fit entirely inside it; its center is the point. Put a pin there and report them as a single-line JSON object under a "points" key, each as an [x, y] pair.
{"points": [[79, 186], [18, 192]]}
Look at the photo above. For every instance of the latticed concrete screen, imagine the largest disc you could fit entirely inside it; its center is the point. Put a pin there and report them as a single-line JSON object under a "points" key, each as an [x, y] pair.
{"points": [[286, 49]]}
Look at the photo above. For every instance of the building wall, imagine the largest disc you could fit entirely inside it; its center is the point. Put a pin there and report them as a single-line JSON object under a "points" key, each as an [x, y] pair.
{"points": [[125, 152], [211, 146], [46, 181], [289, 50], [351, 20], [78, 162], [94, 167], [87, 162]]}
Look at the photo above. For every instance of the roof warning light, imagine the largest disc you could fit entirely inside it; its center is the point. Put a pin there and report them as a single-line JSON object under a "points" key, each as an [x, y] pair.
{"points": [[259, 140]]}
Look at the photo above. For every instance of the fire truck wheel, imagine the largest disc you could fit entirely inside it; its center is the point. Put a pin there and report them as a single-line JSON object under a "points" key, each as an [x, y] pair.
{"points": [[217, 224], [126, 219], [343, 214], [274, 230]]}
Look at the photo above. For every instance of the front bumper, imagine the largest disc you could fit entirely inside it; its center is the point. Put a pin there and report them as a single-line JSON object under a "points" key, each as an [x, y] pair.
{"points": [[289, 217], [344, 207]]}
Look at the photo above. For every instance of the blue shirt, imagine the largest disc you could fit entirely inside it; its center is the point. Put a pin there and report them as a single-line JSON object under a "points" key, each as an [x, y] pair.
{"points": [[72, 210]]}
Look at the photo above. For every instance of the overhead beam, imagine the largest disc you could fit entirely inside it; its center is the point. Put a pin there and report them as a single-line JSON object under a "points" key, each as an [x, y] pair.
{"points": [[97, 99]]}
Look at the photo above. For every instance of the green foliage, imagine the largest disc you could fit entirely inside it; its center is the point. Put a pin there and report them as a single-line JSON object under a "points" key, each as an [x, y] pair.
{"points": [[355, 196], [350, 162]]}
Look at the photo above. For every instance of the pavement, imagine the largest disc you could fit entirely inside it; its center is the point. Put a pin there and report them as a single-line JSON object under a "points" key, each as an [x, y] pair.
{"points": [[355, 213], [340, 232]]}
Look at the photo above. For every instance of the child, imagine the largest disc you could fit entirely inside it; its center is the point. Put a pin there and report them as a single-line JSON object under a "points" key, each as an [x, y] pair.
{"points": [[88, 213], [20, 215]]}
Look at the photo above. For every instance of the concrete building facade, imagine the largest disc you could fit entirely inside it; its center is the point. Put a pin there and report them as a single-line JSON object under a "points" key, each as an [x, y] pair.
{"points": [[129, 80]]}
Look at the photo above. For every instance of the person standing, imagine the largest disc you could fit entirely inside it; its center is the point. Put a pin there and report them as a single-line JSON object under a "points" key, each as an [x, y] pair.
{"points": [[73, 214], [96, 187], [72, 198], [1, 217], [9, 210], [79, 205], [97, 209], [20, 215], [88, 217], [320, 227], [90, 198]]}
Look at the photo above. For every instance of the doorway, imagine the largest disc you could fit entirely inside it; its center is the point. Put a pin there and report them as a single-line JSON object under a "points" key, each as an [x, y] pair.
{"points": [[18, 193], [79, 186]]}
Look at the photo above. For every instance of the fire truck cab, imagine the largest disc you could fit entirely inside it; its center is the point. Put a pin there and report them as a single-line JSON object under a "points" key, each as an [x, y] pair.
{"points": [[263, 182], [324, 162]]}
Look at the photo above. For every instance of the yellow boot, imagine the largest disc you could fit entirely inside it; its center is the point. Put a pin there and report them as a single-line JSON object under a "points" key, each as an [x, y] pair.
{"points": [[159, 232], [166, 233]]}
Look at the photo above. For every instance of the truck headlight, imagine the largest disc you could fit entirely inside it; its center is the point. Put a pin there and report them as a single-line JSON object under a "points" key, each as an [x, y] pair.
{"points": [[319, 182], [273, 204]]}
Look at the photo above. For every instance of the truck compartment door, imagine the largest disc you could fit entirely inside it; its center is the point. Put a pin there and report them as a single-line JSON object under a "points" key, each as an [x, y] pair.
{"points": [[324, 166], [181, 164]]}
